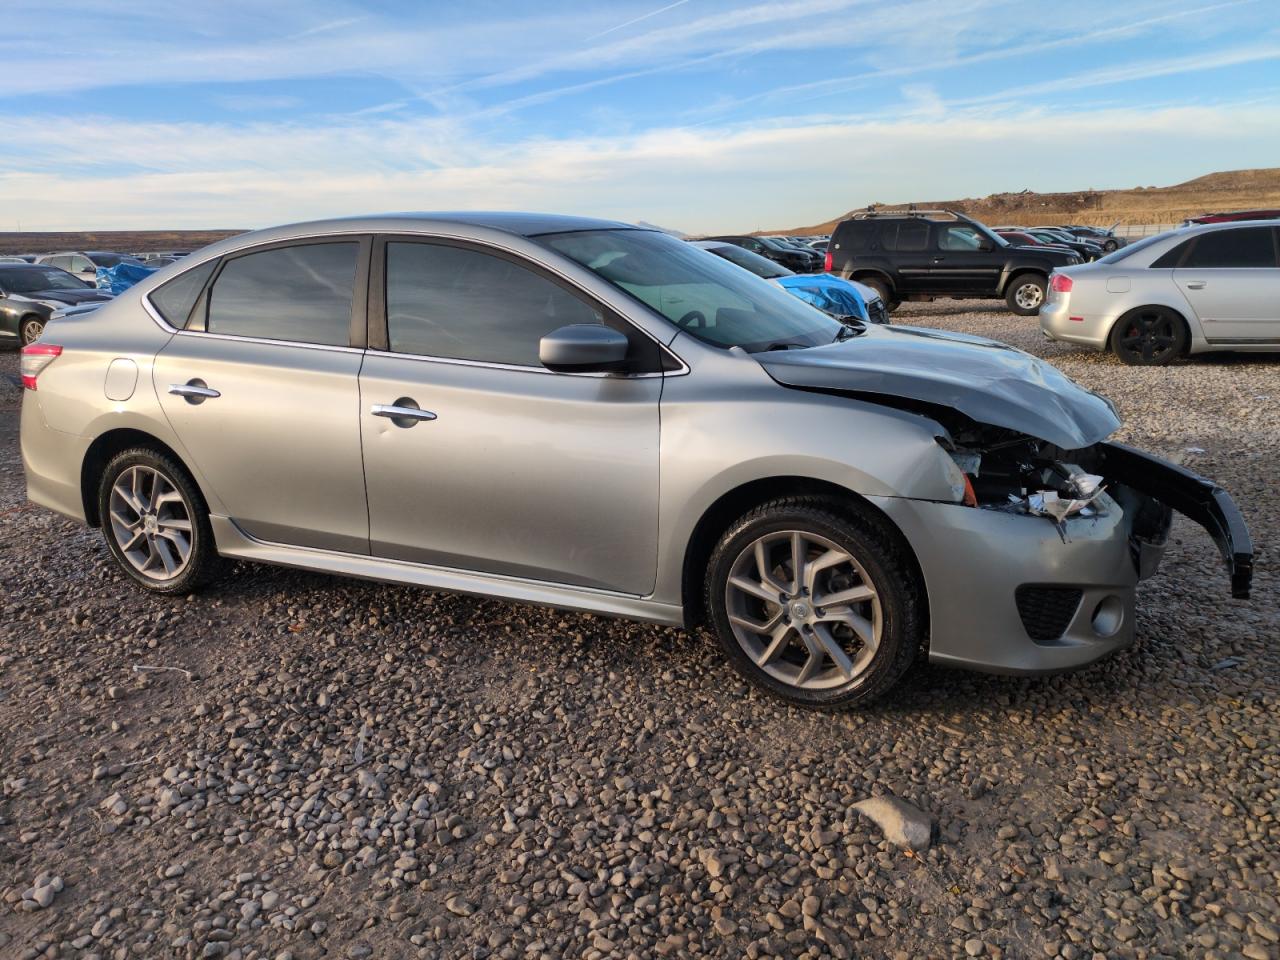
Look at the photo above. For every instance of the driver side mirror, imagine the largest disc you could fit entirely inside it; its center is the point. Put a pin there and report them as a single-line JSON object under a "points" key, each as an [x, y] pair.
{"points": [[985, 245], [583, 348]]}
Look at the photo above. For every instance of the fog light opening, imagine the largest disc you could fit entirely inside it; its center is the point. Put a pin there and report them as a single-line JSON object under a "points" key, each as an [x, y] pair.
{"points": [[1108, 616]]}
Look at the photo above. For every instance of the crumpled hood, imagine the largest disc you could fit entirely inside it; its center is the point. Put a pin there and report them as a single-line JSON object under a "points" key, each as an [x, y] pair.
{"points": [[986, 381]]}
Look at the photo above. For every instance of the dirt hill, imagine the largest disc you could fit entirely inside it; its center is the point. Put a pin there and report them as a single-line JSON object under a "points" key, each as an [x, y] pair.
{"points": [[1232, 190], [123, 241]]}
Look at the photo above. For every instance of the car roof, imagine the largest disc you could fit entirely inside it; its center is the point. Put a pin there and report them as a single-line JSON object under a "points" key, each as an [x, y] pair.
{"points": [[520, 224]]}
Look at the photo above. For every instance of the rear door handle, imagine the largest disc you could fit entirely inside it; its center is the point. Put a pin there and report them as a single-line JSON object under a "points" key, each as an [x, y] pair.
{"points": [[195, 391], [1196, 284], [405, 412]]}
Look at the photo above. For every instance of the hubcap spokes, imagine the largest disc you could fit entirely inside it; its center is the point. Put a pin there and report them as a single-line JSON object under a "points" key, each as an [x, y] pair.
{"points": [[1028, 296], [804, 610], [1149, 335], [151, 523], [31, 331]]}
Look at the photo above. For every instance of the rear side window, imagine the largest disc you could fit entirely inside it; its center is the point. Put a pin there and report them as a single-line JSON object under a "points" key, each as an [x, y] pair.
{"points": [[959, 237], [462, 304], [1246, 247], [300, 294], [174, 300]]}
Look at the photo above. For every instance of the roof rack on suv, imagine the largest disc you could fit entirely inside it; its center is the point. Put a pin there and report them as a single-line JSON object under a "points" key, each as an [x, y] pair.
{"points": [[910, 211]]}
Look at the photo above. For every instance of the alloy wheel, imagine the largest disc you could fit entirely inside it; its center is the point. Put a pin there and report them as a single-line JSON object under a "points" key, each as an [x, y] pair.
{"points": [[31, 330], [1151, 336], [804, 610], [151, 522]]}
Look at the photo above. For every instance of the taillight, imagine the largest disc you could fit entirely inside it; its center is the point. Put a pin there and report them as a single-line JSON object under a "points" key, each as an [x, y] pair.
{"points": [[1060, 283], [35, 357], [828, 261]]}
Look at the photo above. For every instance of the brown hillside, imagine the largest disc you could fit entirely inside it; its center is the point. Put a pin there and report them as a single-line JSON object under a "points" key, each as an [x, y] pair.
{"points": [[122, 241], [1232, 190]]}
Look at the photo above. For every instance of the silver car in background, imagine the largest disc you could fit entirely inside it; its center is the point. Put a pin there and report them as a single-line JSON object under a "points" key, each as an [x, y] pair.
{"points": [[595, 416], [1193, 290]]}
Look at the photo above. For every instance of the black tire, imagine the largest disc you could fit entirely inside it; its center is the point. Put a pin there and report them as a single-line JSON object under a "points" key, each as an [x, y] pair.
{"points": [[1110, 246], [884, 566], [203, 563], [883, 289], [1149, 337], [1026, 293], [29, 328]]}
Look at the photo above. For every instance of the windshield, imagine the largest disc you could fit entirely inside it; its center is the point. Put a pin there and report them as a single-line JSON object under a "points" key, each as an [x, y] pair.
{"points": [[760, 266], [34, 279], [1123, 253], [706, 297]]}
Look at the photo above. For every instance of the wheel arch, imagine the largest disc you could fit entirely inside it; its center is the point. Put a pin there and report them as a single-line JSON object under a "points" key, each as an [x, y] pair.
{"points": [[108, 445], [1014, 272], [872, 273], [733, 504]]}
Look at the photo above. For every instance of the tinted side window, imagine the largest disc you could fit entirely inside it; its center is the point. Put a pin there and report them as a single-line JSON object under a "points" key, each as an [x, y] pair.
{"points": [[462, 304], [912, 236], [1246, 247], [857, 235], [1170, 258], [298, 293], [175, 299]]}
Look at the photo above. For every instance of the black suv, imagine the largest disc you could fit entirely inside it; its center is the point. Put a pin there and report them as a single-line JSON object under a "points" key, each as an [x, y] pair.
{"points": [[925, 254], [793, 258]]}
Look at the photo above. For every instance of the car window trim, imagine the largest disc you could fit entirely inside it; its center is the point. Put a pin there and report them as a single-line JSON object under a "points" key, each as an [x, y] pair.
{"points": [[357, 325], [378, 338]]}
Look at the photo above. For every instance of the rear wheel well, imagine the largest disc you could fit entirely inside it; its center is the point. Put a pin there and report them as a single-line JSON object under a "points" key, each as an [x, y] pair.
{"points": [[101, 452], [864, 275], [740, 501]]}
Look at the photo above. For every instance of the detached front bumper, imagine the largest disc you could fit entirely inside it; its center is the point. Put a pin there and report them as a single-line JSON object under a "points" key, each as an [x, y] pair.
{"points": [[1017, 594]]}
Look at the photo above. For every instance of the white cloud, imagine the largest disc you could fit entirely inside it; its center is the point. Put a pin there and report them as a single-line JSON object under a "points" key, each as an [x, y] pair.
{"points": [[194, 175]]}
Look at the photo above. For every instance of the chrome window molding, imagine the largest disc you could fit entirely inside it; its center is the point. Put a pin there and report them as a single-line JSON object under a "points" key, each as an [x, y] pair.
{"points": [[522, 368], [333, 347]]}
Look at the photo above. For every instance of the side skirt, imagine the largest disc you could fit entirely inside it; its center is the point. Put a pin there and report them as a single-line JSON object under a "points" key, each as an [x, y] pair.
{"points": [[234, 542]]}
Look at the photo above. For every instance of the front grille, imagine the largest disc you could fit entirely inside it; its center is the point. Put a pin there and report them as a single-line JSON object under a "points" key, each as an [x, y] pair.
{"points": [[1046, 612], [876, 312]]}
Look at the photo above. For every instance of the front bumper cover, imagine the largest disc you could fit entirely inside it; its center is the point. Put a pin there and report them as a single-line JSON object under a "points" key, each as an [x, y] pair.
{"points": [[1191, 495]]}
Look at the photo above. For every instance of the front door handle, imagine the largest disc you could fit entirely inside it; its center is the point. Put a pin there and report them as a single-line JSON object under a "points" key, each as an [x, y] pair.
{"points": [[405, 412], [195, 391], [1196, 284]]}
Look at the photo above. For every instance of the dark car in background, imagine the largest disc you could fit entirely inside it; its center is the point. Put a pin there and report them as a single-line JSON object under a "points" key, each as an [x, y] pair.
{"points": [[31, 293], [801, 261], [1233, 215], [926, 254], [1087, 249]]}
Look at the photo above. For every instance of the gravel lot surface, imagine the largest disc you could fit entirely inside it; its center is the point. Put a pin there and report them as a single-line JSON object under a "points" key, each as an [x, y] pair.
{"points": [[342, 769]]}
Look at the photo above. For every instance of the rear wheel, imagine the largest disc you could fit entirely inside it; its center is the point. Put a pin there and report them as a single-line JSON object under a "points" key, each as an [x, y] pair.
{"points": [[31, 327], [1149, 337], [815, 603], [1025, 294], [156, 523], [883, 289]]}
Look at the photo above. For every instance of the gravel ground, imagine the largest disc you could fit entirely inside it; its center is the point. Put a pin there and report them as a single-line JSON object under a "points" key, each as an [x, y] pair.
{"points": [[332, 768]]}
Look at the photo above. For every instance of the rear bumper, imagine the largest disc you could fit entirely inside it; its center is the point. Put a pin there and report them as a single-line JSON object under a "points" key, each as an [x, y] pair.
{"points": [[51, 461], [1087, 331]]}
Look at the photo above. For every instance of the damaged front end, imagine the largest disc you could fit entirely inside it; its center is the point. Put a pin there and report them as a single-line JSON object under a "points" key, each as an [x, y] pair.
{"points": [[1014, 473]]}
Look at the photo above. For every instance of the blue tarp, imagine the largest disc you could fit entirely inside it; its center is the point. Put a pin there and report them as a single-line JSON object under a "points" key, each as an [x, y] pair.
{"points": [[121, 277], [829, 294]]}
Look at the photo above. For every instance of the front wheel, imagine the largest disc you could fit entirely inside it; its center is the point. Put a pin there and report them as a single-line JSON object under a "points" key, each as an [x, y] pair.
{"points": [[815, 603], [1149, 337], [31, 328], [156, 523], [1025, 294], [882, 288]]}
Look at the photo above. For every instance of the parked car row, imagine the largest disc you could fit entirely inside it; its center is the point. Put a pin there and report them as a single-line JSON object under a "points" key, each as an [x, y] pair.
{"points": [[31, 293]]}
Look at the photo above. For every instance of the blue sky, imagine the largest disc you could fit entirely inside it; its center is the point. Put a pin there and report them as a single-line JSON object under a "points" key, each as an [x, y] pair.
{"points": [[704, 115]]}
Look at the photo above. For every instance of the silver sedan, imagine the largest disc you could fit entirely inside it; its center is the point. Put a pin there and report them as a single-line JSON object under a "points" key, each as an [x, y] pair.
{"points": [[1197, 289], [595, 416]]}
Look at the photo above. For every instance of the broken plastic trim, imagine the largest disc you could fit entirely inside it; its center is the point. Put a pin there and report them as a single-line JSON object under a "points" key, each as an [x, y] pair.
{"points": [[1194, 496]]}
